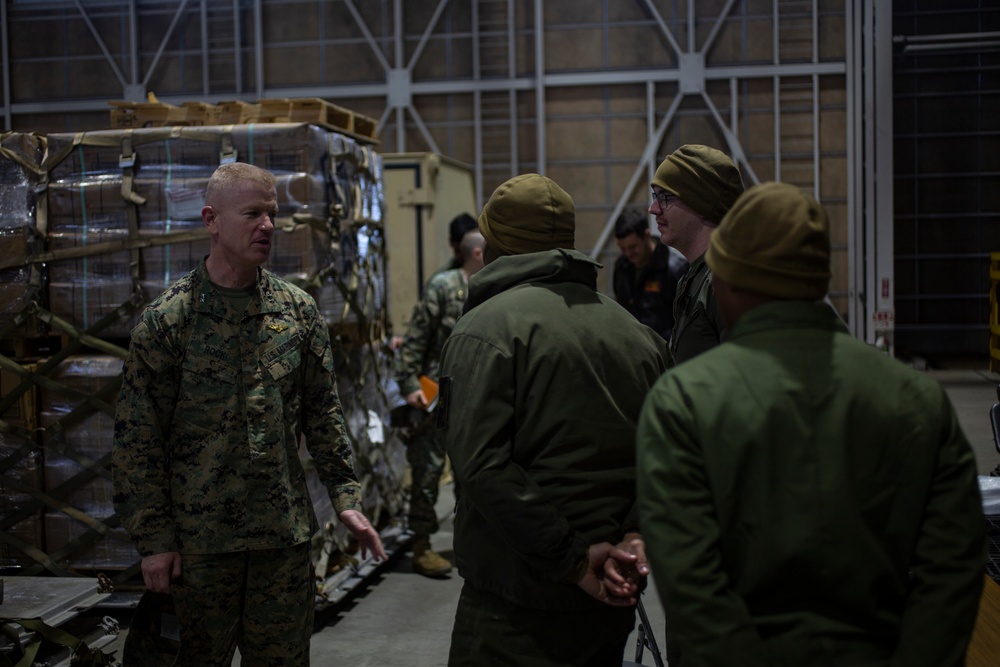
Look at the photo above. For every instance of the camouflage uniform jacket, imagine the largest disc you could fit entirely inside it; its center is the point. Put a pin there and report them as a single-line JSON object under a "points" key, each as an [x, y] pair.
{"points": [[697, 325], [433, 318], [212, 408]]}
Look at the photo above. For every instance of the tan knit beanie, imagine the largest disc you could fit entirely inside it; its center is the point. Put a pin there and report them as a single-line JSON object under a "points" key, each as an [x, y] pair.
{"points": [[528, 213], [704, 178], [775, 240]]}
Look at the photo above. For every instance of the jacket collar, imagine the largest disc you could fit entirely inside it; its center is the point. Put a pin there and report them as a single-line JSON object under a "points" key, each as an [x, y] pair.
{"points": [[549, 266], [788, 315], [208, 299]]}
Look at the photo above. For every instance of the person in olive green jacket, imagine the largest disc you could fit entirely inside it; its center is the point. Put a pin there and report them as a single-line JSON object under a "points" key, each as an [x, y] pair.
{"points": [[542, 381], [805, 499], [692, 189]]}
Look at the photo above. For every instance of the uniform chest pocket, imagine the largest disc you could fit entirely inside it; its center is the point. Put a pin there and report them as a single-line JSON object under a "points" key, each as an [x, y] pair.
{"points": [[208, 392], [284, 364]]}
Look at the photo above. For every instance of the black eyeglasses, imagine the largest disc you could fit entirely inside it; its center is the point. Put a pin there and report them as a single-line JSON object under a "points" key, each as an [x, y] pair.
{"points": [[663, 199]]}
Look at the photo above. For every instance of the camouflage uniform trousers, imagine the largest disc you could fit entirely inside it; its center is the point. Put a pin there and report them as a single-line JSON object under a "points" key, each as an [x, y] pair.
{"points": [[425, 454], [262, 601]]}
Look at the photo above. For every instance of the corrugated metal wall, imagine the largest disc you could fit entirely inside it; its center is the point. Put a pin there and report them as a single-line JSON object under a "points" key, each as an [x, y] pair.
{"points": [[947, 177]]}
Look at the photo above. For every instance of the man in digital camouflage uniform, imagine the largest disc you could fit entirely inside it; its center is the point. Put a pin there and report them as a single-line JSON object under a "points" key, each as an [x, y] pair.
{"points": [[805, 499], [692, 189], [460, 225], [433, 318], [225, 372]]}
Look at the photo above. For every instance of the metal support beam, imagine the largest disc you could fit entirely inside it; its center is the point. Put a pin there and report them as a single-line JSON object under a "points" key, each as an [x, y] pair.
{"points": [[540, 87], [885, 287], [205, 72], [515, 167], [869, 129], [133, 42], [648, 156], [422, 128], [465, 86], [655, 13], [427, 34], [101, 45], [258, 46], [238, 46], [5, 47], [163, 43]]}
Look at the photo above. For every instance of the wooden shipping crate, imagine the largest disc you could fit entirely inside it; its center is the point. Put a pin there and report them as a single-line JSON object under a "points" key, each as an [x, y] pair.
{"points": [[20, 280]]}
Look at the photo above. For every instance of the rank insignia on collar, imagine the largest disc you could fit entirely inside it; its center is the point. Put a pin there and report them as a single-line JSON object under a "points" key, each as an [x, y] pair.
{"points": [[277, 328]]}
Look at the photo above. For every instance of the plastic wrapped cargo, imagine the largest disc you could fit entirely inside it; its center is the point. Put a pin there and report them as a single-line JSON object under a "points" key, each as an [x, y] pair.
{"points": [[124, 223]]}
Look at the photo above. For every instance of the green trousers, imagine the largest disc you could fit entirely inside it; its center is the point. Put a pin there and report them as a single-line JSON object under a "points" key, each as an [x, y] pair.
{"points": [[491, 631]]}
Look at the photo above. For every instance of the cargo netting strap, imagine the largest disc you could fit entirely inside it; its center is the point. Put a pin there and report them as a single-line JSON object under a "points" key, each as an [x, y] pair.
{"points": [[34, 552], [105, 247], [86, 404], [132, 201], [83, 655], [227, 151]]}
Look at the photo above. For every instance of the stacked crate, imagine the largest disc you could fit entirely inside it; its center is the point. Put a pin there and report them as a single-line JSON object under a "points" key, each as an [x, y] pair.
{"points": [[117, 221], [21, 531]]}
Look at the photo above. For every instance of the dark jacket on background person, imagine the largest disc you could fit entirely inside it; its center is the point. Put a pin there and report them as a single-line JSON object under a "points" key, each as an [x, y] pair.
{"points": [[547, 378], [648, 293], [697, 325]]}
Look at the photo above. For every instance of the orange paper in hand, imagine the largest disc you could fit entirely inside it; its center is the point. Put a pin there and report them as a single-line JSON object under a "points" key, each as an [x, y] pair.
{"points": [[430, 389]]}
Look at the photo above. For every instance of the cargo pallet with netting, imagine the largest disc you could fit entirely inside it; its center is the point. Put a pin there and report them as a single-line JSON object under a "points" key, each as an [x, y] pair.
{"points": [[97, 224]]}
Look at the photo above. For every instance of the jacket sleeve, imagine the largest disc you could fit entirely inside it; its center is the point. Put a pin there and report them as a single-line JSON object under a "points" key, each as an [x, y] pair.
{"points": [[480, 427], [424, 323], [323, 421], [677, 514], [946, 577], [139, 455]]}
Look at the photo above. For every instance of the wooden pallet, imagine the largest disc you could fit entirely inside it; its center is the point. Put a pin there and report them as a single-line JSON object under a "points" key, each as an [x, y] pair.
{"points": [[985, 645], [125, 115], [315, 111], [237, 112]]}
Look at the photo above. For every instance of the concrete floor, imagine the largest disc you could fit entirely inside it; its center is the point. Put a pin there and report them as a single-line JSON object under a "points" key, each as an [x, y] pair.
{"points": [[400, 618], [973, 392], [406, 619]]}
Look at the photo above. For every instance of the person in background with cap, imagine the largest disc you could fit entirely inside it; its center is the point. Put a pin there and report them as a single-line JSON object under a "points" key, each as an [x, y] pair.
{"points": [[797, 511], [542, 381], [692, 189], [460, 225]]}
